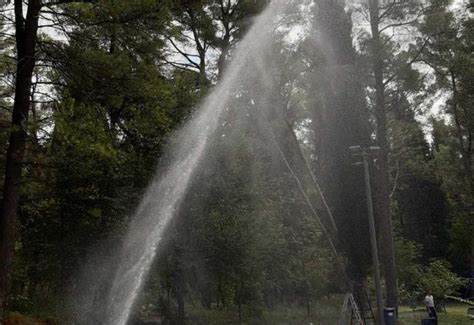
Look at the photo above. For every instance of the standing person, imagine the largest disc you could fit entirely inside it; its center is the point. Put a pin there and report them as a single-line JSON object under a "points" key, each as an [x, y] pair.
{"points": [[430, 306]]}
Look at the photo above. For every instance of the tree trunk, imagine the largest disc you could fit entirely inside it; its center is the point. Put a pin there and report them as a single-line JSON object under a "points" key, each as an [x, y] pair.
{"points": [[307, 299], [385, 235], [180, 296], [206, 296], [201, 48], [240, 302], [26, 35], [471, 289], [221, 296], [225, 45]]}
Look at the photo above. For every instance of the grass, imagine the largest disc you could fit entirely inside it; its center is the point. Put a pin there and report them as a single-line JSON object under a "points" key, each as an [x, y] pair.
{"points": [[325, 311], [455, 314]]}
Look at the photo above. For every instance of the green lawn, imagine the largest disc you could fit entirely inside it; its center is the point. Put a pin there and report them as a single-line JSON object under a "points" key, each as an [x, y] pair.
{"points": [[325, 312], [455, 315]]}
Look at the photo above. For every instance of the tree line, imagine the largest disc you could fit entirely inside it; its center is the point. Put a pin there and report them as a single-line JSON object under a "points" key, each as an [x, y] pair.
{"points": [[92, 91]]}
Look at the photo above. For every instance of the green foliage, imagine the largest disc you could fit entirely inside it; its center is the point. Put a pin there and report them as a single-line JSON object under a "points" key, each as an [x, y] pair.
{"points": [[449, 168], [416, 279], [440, 280], [409, 267], [409, 270], [461, 237]]}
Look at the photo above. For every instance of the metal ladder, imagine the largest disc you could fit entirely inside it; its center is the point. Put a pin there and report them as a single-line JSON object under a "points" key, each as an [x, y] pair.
{"points": [[369, 306], [349, 303]]}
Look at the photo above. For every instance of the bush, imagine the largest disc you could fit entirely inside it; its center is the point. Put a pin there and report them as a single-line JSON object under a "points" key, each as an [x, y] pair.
{"points": [[440, 280]]}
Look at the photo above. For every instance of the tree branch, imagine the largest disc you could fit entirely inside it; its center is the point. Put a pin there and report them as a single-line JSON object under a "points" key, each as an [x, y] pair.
{"points": [[61, 2]]}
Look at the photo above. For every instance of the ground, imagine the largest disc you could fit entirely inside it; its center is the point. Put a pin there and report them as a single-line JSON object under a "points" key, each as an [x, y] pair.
{"points": [[325, 312], [455, 315]]}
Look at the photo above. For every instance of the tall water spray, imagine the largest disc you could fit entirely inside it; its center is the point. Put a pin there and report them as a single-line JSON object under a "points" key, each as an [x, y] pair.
{"points": [[166, 192]]}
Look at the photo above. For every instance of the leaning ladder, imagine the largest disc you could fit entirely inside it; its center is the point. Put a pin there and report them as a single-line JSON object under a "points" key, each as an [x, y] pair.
{"points": [[350, 304]]}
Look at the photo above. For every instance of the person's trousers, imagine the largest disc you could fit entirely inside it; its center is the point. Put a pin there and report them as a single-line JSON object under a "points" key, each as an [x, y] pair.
{"points": [[432, 313]]}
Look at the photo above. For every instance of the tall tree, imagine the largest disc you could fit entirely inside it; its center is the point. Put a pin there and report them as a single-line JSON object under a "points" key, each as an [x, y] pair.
{"points": [[448, 52], [339, 120], [26, 38], [26, 28], [418, 200], [383, 17]]}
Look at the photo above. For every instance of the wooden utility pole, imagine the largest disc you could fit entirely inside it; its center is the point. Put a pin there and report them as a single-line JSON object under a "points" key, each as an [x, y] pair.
{"points": [[364, 152]]}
